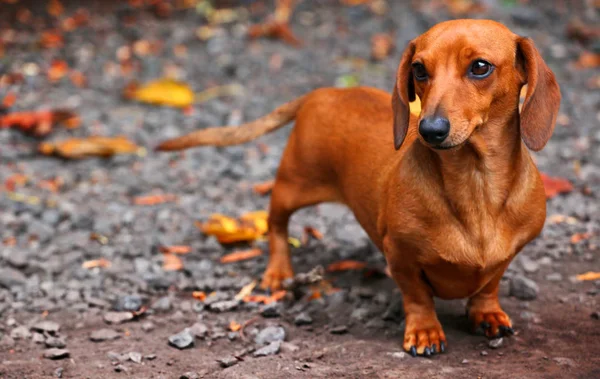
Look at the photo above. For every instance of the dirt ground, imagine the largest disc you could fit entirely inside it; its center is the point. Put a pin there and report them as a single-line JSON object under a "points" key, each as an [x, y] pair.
{"points": [[355, 332]]}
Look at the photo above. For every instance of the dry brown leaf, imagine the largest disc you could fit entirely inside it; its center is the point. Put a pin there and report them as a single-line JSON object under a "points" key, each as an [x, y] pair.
{"points": [[102, 263], [555, 185], [277, 26], [172, 262], [241, 255], [346, 265], [199, 295], [382, 45], [264, 299], [81, 17], [38, 123], [263, 188], [234, 326], [55, 8], [309, 232], [590, 275], [588, 59], [249, 227], [175, 249], [578, 237], [246, 290], [58, 69], [51, 39], [154, 199], [77, 148]]}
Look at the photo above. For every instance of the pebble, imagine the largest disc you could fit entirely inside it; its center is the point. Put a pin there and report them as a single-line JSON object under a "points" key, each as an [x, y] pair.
{"points": [[55, 353], [20, 333], [224, 306], [271, 349], [228, 361], [496, 343], [270, 334], [483, 353], [147, 326], [554, 277], [39, 338], [199, 330], [150, 357], [117, 317], [57, 342], [341, 329], [287, 347], [130, 303], [50, 327], [182, 340], [529, 265], [465, 361], [271, 310], [523, 288], [303, 319], [120, 368], [11, 278], [59, 372], [360, 314], [162, 305], [135, 357], [104, 335], [189, 375], [398, 354]]}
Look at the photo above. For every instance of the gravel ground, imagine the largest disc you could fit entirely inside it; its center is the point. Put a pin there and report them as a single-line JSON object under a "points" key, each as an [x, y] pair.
{"points": [[58, 319]]}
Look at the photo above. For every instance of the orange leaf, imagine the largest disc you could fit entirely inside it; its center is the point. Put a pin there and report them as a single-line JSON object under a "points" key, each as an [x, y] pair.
{"points": [[55, 8], [172, 262], [249, 227], [277, 295], [102, 263], [154, 199], [176, 249], [578, 237], [199, 295], [78, 78], [309, 231], [57, 70], [14, 181], [555, 185], [590, 275], [77, 148], [9, 100], [264, 187], [241, 255], [256, 299], [346, 265], [587, 59], [51, 39], [234, 326]]}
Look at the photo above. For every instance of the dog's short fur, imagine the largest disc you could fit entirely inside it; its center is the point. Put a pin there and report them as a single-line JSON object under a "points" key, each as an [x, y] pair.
{"points": [[449, 218]]}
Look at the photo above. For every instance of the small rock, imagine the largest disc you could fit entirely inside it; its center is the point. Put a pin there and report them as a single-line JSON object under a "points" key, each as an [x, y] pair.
{"points": [[270, 310], [135, 357], [224, 306], [50, 327], [20, 333], [56, 353], [182, 340], [465, 361], [303, 319], [375, 323], [287, 347], [529, 265], [398, 354], [360, 314], [128, 303], [495, 343], [228, 361], [39, 338], [120, 368], [57, 342], [189, 375], [199, 330], [162, 305], [270, 349], [341, 329], [523, 288], [561, 361], [104, 335], [147, 326], [10, 278], [483, 353], [59, 372], [150, 357], [117, 317], [554, 277], [270, 334], [116, 357]]}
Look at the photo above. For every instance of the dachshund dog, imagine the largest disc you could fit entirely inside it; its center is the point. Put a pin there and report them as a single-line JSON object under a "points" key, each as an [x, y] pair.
{"points": [[450, 196]]}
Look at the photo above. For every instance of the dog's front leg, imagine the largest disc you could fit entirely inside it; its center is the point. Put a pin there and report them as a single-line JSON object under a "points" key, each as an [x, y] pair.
{"points": [[423, 334], [484, 310]]}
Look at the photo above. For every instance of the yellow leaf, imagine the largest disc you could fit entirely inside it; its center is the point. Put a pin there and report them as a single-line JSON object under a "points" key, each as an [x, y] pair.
{"points": [[589, 276], [295, 242], [165, 92], [250, 227], [77, 148], [245, 291]]}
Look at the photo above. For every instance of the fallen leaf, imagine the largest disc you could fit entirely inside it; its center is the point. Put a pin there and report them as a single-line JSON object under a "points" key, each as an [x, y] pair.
{"points": [[249, 227], [154, 199], [264, 299], [246, 290], [555, 185], [14, 181], [39, 123], [102, 263], [264, 187], [58, 69], [590, 275], [172, 262], [55, 8], [559, 219], [278, 295], [218, 91], [80, 18], [51, 39], [309, 232], [346, 265], [578, 237], [176, 249], [382, 45], [102, 239], [199, 295], [77, 148], [78, 79], [234, 326], [588, 59], [241, 255], [277, 26], [162, 92], [9, 100]]}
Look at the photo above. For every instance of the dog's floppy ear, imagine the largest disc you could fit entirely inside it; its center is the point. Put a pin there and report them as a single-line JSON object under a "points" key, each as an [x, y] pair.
{"points": [[404, 93], [542, 100]]}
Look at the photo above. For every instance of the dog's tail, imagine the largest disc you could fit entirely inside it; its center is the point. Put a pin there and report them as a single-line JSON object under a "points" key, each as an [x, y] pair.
{"points": [[234, 135]]}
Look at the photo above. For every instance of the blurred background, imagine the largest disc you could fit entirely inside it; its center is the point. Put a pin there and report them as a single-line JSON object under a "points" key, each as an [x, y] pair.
{"points": [[93, 221]]}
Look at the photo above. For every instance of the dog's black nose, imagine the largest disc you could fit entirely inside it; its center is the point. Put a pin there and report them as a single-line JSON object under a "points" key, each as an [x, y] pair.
{"points": [[434, 130]]}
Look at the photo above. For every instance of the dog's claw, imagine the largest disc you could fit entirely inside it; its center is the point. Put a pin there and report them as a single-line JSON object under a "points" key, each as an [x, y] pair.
{"points": [[434, 349], [442, 347], [485, 325], [427, 352], [413, 351], [505, 331]]}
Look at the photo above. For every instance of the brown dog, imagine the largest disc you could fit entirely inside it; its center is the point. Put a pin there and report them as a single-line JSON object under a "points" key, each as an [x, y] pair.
{"points": [[461, 196]]}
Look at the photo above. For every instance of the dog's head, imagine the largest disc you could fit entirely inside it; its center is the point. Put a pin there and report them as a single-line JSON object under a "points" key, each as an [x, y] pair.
{"points": [[468, 75]]}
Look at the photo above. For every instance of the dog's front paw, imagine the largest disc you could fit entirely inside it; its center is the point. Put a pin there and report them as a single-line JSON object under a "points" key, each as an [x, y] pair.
{"points": [[425, 337], [495, 323], [274, 277]]}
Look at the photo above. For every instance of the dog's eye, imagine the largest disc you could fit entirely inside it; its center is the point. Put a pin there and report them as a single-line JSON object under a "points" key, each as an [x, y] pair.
{"points": [[480, 69], [419, 71]]}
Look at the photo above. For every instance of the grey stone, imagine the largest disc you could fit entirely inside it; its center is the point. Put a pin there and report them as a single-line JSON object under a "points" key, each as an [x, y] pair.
{"points": [[10, 277], [224, 306], [162, 305], [182, 340], [523, 288], [340, 329], [360, 314], [104, 335], [135, 357], [228, 361], [529, 266], [129, 303], [303, 319], [271, 349], [57, 342], [50, 327], [271, 310], [39, 338], [189, 375], [199, 330], [55, 353], [20, 333], [554, 277], [495, 343], [287, 347], [398, 354], [147, 326], [117, 317], [270, 334]]}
